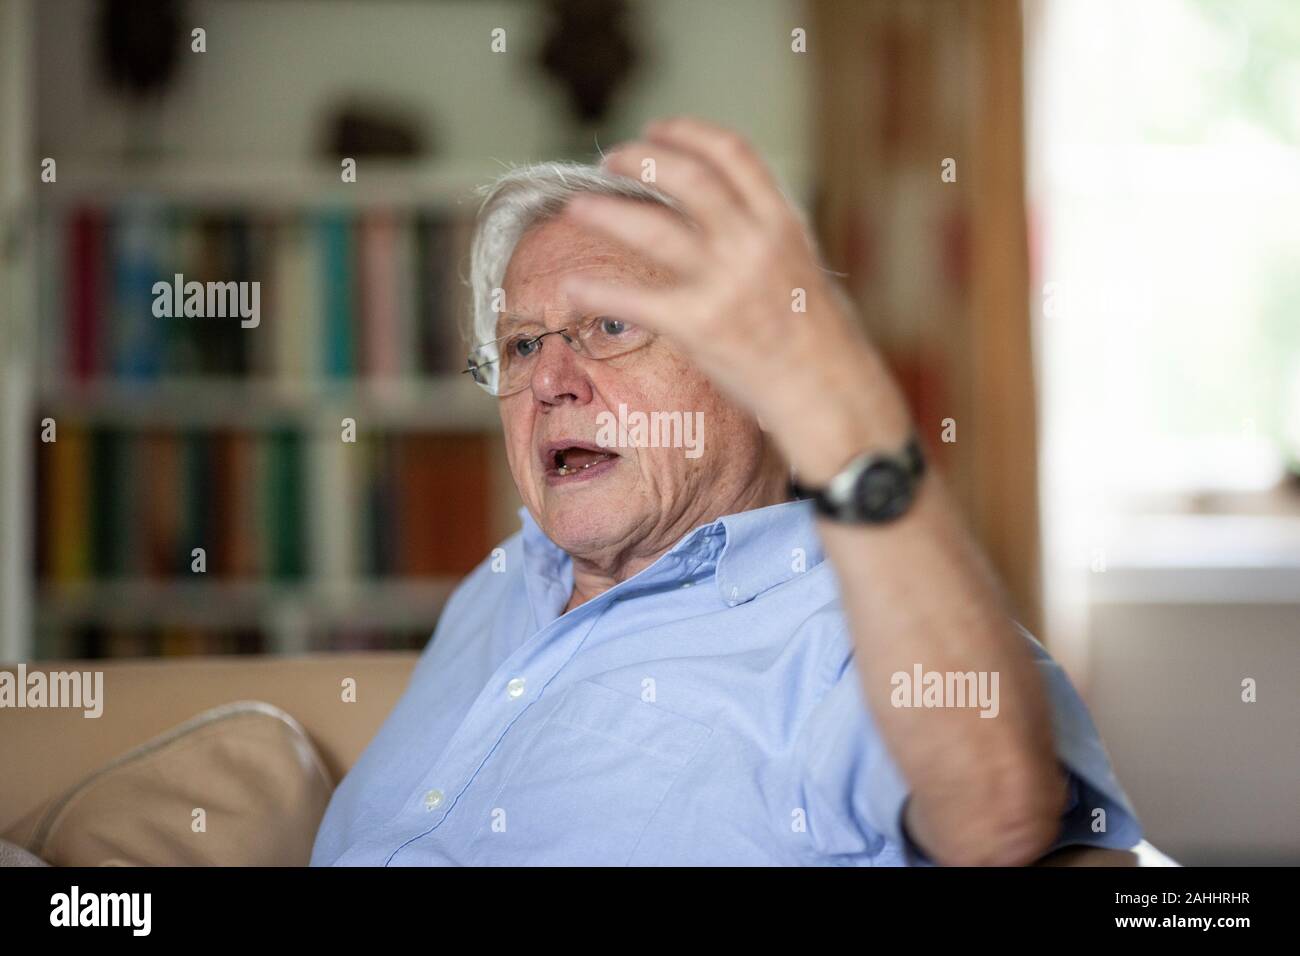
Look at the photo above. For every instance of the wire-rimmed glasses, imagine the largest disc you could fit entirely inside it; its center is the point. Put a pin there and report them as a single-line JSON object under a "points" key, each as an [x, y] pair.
{"points": [[505, 365]]}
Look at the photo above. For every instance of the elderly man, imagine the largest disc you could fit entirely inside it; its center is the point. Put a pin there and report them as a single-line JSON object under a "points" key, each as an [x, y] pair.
{"points": [[676, 660]]}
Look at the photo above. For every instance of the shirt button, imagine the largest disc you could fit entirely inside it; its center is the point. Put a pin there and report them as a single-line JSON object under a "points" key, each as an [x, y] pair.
{"points": [[433, 800], [515, 688]]}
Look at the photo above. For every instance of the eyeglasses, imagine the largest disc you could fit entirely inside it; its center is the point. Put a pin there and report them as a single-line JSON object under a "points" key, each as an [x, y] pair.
{"points": [[505, 365]]}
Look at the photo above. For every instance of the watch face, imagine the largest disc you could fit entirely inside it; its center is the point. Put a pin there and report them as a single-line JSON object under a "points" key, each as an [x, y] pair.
{"points": [[883, 491]]}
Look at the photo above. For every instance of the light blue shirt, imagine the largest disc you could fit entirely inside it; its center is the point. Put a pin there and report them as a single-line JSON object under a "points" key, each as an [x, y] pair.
{"points": [[705, 711]]}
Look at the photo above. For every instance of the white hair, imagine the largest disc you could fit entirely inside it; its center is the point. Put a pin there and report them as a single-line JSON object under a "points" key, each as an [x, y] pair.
{"points": [[522, 198]]}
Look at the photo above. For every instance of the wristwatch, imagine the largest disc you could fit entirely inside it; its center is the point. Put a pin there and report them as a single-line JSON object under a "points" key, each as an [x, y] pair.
{"points": [[872, 489]]}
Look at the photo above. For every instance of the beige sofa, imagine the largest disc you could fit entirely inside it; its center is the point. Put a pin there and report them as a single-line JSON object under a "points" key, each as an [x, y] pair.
{"points": [[47, 753]]}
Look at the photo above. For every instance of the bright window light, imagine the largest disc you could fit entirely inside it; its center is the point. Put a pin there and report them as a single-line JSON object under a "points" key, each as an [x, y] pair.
{"points": [[1165, 188]]}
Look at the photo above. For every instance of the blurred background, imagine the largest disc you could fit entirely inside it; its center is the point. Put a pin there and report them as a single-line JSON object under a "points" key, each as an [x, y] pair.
{"points": [[1069, 224]]}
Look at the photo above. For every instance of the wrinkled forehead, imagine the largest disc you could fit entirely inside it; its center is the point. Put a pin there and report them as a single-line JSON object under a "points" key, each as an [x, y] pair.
{"points": [[549, 249], [548, 252]]}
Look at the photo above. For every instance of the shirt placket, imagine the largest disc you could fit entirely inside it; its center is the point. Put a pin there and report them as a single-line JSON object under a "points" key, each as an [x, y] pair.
{"points": [[513, 688]]}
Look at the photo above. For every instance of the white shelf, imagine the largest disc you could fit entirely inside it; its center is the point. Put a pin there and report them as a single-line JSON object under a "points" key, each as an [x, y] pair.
{"points": [[17, 326], [442, 403], [273, 186], [1197, 585], [1201, 559], [138, 602]]}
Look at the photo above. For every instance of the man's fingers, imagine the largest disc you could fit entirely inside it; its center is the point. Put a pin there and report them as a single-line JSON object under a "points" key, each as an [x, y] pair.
{"points": [[729, 153], [651, 230], [703, 192], [644, 307]]}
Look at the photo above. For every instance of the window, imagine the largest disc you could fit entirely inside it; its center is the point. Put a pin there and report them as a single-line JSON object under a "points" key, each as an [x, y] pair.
{"points": [[1164, 182]]}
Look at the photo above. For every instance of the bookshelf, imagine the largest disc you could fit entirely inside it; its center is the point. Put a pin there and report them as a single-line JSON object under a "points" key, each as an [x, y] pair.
{"points": [[357, 576], [262, 95]]}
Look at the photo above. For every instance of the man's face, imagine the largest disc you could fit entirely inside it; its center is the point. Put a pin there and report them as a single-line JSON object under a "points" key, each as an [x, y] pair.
{"points": [[642, 499]]}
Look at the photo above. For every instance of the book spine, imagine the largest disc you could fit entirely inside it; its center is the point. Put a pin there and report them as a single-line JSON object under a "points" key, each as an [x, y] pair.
{"points": [[86, 296], [338, 285]]}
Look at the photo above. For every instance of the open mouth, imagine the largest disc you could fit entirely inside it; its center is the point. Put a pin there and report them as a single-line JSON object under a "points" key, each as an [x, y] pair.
{"points": [[575, 460]]}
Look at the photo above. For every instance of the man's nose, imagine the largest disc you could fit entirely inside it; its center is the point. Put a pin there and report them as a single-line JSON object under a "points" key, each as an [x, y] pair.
{"points": [[558, 375]]}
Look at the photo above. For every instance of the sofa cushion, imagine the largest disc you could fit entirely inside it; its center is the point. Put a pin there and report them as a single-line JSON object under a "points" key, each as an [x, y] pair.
{"points": [[11, 854], [238, 785]]}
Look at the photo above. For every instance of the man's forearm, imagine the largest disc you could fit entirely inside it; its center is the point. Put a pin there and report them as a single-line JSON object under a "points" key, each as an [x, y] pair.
{"points": [[919, 595]]}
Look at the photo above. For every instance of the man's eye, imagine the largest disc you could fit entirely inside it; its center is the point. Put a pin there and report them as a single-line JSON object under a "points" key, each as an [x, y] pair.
{"points": [[613, 326], [525, 346]]}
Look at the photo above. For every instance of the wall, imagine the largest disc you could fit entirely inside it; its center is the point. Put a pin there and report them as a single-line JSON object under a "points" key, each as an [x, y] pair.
{"points": [[1215, 780], [272, 67]]}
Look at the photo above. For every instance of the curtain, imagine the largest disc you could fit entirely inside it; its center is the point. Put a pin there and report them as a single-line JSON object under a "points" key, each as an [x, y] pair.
{"points": [[910, 94]]}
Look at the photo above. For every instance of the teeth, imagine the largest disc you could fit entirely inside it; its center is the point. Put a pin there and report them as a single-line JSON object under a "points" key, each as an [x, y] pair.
{"points": [[569, 469]]}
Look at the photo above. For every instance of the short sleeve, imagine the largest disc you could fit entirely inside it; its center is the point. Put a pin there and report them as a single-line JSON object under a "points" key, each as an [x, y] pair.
{"points": [[855, 794]]}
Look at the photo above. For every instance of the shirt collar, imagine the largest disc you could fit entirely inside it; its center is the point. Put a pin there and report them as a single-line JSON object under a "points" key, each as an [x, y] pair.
{"points": [[766, 547], [748, 553]]}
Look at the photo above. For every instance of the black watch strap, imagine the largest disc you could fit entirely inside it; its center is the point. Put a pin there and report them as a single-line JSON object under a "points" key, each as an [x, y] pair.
{"points": [[838, 500]]}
